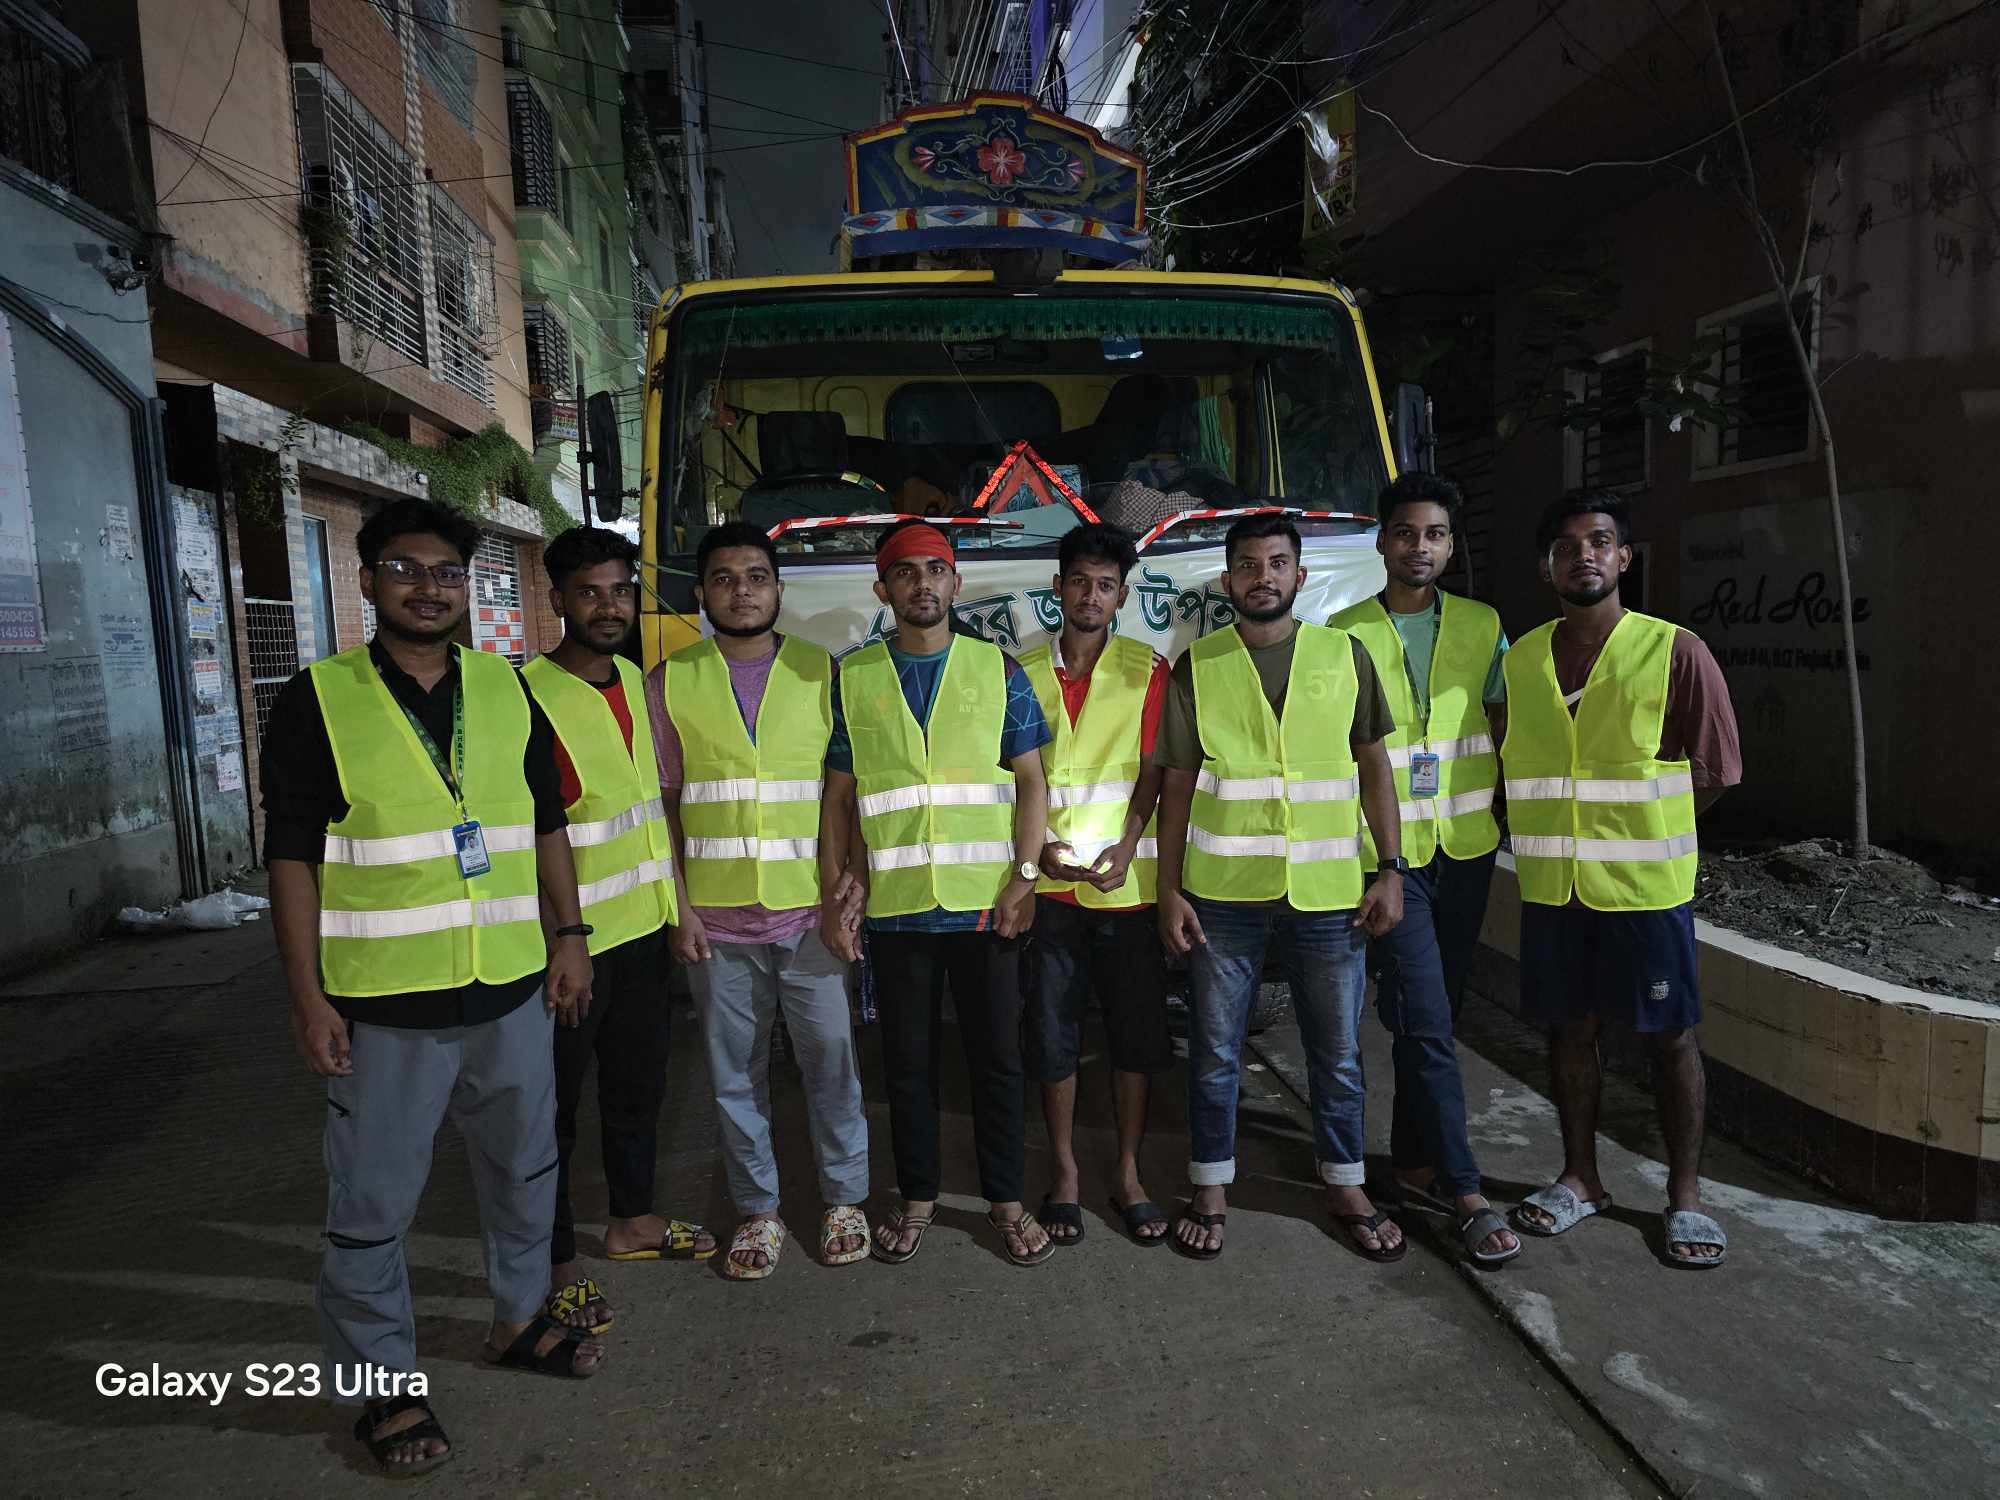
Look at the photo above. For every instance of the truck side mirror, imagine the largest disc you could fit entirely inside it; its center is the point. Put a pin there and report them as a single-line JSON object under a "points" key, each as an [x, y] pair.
{"points": [[1413, 430], [607, 467]]}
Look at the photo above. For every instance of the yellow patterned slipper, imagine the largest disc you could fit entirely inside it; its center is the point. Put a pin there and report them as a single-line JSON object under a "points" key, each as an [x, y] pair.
{"points": [[581, 1295], [841, 1224], [678, 1245]]}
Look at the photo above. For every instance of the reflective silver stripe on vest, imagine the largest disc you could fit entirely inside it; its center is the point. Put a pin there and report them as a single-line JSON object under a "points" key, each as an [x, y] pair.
{"points": [[910, 856], [944, 794], [749, 789], [1472, 744], [1562, 788], [1446, 807], [745, 848], [1342, 789], [1274, 788], [1312, 851], [612, 886], [410, 921], [1237, 845], [409, 848], [1088, 854], [1097, 791], [1604, 851], [735, 789], [604, 830]]}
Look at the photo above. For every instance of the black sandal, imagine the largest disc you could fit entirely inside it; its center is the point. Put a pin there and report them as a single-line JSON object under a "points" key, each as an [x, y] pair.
{"points": [[1137, 1216], [378, 1447], [559, 1360], [1068, 1216], [1207, 1222], [1373, 1223]]}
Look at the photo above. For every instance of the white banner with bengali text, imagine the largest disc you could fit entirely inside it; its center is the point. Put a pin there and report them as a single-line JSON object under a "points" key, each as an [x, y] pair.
{"points": [[1012, 601]]}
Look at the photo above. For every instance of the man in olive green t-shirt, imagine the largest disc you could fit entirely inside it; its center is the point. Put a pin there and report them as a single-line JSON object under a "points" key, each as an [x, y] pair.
{"points": [[1324, 952]]}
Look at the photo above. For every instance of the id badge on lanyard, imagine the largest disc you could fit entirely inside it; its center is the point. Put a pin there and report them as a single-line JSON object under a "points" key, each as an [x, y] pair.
{"points": [[1423, 773], [470, 844]]}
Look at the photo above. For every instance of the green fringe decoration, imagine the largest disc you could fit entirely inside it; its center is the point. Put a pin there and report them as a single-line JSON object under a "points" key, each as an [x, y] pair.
{"points": [[707, 331]]}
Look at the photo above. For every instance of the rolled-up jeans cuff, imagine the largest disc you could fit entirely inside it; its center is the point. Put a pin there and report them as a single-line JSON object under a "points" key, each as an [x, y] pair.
{"points": [[1343, 1173], [1212, 1173]]}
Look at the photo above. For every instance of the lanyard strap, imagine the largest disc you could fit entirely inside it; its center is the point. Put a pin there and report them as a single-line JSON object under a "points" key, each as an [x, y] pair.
{"points": [[453, 773], [1422, 700]]}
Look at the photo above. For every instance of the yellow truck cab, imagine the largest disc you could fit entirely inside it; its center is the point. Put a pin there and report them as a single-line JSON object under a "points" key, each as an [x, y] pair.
{"points": [[982, 366]]}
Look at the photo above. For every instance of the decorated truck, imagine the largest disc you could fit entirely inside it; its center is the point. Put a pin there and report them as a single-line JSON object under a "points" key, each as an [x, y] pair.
{"points": [[990, 356]]}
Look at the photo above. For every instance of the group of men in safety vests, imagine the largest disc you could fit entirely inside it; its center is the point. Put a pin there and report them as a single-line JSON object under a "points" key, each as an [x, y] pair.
{"points": [[452, 841]]}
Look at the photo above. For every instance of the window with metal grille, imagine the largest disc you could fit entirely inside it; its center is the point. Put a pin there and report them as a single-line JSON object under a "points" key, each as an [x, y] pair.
{"points": [[548, 350], [445, 56], [645, 297], [1761, 388], [1614, 451], [361, 204], [531, 141], [565, 202], [512, 53], [462, 269], [272, 636], [499, 623], [37, 108]]}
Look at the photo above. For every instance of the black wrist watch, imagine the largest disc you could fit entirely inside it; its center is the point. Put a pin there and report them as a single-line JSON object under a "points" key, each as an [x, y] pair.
{"points": [[576, 929], [1396, 863]]}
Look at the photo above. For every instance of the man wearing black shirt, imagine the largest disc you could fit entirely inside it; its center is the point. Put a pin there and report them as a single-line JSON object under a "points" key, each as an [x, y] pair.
{"points": [[398, 855]]}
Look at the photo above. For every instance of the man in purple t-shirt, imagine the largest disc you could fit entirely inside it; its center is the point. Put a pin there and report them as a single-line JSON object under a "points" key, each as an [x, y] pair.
{"points": [[744, 959]]}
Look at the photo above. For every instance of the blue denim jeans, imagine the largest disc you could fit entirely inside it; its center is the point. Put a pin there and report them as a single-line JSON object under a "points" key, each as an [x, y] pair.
{"points": [[1419, 970], [1324, 958]]}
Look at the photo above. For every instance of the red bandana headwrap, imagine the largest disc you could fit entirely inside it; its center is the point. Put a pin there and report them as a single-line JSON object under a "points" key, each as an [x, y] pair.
{"points": [[914, 541]]}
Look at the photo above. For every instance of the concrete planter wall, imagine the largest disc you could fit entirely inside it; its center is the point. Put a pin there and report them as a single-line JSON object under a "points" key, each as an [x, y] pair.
{"points": [[1887, 1095]]}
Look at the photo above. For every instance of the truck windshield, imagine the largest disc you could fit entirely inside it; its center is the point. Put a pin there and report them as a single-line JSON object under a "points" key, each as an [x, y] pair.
{"points": [[816, 406]]}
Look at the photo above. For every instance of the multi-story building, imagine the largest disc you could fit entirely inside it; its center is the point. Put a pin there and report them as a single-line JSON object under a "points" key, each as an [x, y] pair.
{"points": [[1076, 57], [669, 96], [566, 68], [333, 270]]}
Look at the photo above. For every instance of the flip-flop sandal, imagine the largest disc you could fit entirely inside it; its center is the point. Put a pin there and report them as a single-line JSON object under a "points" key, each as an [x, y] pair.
{"points": [[845, 1222], [1204, 1222], [558, 1360], [1056, 1216], [1373, 1223], [378, 1448], [1137, 1217], [1561, 1205], [1479, 1226], [766, 1236], [678, 1244], [896, 1221], [1686, 1226], [1020, 1226], [581, 1295]]}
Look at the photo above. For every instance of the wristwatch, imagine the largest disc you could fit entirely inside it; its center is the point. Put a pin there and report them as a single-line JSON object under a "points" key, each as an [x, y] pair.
{"points": [[1029, 871], [1397, 863], [576, 929]]}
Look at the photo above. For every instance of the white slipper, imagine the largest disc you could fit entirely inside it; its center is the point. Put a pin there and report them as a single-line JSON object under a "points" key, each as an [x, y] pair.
{"points": [[1561, 1205]]}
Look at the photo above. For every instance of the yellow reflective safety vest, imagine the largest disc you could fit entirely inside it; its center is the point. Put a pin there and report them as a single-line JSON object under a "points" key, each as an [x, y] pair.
{"points": [[1093, 766], [750, 811], [1460, 817], [396, 916], [937, 808], [1277, 804], [617, 825], [1591, 808]]}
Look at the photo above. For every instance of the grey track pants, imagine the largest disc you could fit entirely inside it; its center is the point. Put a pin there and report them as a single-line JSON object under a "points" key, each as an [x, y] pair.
{"points": [[496, 1083]]}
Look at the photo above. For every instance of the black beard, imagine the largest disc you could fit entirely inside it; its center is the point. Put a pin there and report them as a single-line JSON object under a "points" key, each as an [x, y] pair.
{"points": [[575, 630], [743, 632], [911, 618], [1274, 612], [1585, 600]]}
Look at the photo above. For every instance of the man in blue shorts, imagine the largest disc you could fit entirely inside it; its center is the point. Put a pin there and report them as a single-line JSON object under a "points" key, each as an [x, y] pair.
{"points": [[1618, 732]]}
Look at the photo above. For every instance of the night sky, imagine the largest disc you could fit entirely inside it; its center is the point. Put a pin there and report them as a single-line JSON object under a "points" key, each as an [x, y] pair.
{"points": [[786, 197]]}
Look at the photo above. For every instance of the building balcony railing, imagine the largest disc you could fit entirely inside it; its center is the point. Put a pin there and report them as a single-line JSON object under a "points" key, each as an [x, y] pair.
{"points": [[63, 114]]}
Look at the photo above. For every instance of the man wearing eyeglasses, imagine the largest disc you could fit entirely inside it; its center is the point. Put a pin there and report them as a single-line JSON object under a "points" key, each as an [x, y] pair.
{"points": [[415, 828]]}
